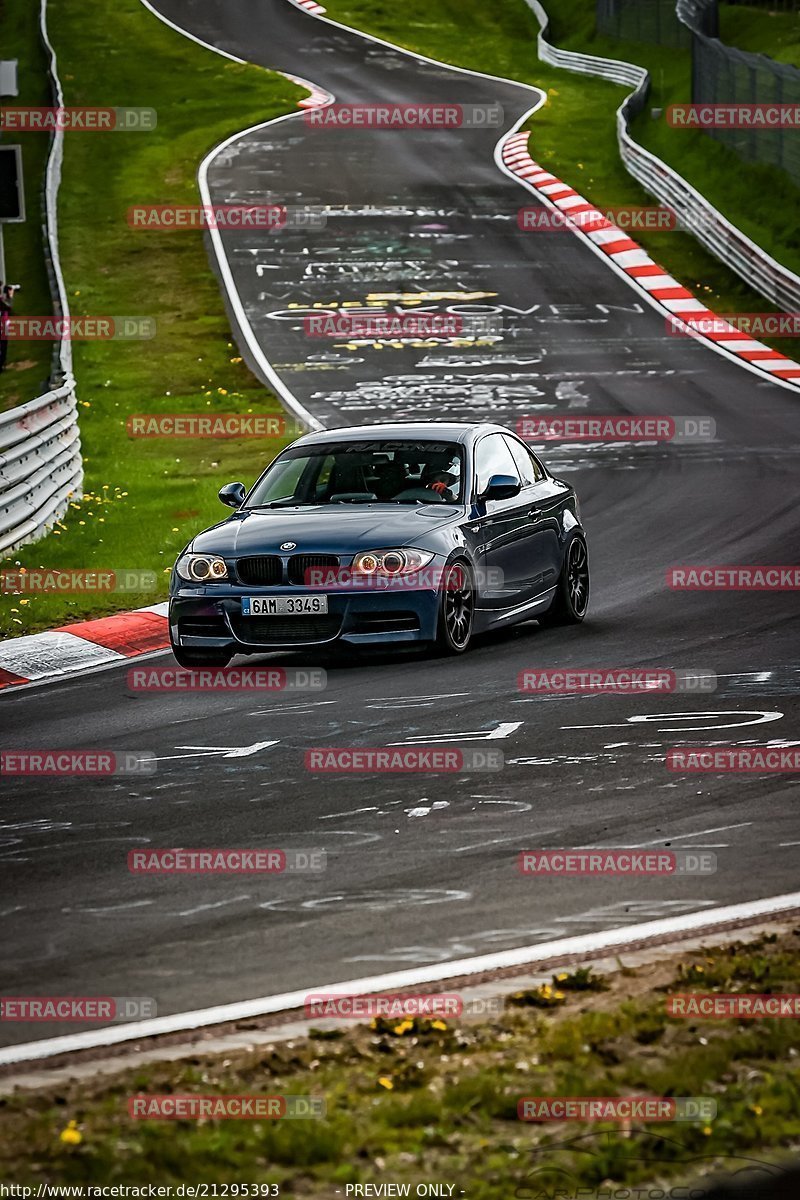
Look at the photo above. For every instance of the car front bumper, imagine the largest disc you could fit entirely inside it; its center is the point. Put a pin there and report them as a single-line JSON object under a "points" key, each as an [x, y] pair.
{"points": [[211, 618]]}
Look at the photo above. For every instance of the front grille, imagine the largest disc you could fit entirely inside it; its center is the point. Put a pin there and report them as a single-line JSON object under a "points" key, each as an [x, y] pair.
{"points": [[266, 570], [203, 627], [300, 564], [266, 631], [384, 622]]}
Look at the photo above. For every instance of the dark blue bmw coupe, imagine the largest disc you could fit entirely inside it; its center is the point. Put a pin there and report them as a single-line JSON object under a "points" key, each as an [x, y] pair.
{"points": [[378, 535]]}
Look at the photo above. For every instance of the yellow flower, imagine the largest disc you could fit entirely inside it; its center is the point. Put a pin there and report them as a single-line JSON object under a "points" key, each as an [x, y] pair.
{"points": [[71, 1136], [438, 1025], [563, 975], [222, 391], [404, 1026], [707, 1131], [386, 1082], [757, 1109]]}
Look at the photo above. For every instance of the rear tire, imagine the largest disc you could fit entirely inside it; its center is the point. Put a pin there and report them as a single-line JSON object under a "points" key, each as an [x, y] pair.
{"points": [[456, 608], [571, 600]]}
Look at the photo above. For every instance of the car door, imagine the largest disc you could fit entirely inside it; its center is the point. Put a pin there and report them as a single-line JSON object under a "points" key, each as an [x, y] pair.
{"points": [[542, 499], [501, 527]]}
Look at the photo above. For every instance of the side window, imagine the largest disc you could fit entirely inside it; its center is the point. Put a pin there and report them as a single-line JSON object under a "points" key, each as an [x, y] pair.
{"points": [[528, 466], [283, 481], [493, 457]]}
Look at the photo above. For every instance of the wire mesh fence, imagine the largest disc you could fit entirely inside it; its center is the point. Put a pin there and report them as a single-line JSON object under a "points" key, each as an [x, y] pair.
{"points": [[769, 5], [721, 74], [643, 21]]}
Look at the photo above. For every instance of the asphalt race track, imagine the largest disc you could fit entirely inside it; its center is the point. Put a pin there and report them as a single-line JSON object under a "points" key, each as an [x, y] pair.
{"points": [[421, 869]]}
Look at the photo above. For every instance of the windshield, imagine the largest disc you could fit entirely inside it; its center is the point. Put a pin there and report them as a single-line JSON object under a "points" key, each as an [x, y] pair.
{"points": [[363, 472]]}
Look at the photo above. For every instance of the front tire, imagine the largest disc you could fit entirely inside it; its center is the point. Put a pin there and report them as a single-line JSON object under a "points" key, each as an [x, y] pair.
{"points": [[571, 600], [456, 608]]}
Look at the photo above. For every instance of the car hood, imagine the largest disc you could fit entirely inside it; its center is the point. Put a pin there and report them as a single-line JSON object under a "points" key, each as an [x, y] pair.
{"points": [[325, 529]]}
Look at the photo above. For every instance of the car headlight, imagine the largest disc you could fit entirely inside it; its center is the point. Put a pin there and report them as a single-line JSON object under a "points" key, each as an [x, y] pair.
{"points": [[390, 562], [201, 568]]}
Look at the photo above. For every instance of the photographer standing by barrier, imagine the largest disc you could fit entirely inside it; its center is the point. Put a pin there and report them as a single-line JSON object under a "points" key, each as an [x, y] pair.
{"points": [[6, 309]]}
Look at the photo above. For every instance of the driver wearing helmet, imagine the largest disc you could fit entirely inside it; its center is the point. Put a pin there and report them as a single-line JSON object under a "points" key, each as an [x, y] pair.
{"points": [[439, 475]]}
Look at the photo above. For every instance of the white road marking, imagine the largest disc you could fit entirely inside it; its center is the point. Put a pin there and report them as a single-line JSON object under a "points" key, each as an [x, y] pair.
{"points": [[225, 751], [762, 718], [581, 945], [291, 708], [412, 701], [111, 908], [189, 912], [352, 812], [667, 837], [514, 837], [503, 730]]}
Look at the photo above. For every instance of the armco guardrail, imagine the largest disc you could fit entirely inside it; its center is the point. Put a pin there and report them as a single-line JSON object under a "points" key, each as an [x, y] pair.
{"points": [[40, 448], [757, 268], [40, 465]]}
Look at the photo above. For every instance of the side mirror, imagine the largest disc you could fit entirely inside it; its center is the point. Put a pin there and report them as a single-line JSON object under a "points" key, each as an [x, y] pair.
{"points": [[233, 494], [502, 487]]}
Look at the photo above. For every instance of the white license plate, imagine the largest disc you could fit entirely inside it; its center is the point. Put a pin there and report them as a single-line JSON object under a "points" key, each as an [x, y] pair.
{"points": [[283, 606]]}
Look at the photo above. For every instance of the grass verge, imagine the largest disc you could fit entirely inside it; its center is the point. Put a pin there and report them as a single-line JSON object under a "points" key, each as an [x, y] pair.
{"points": [[28, 369], [761, 31], [420, 1100], [144, 498], [574, 133]]}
